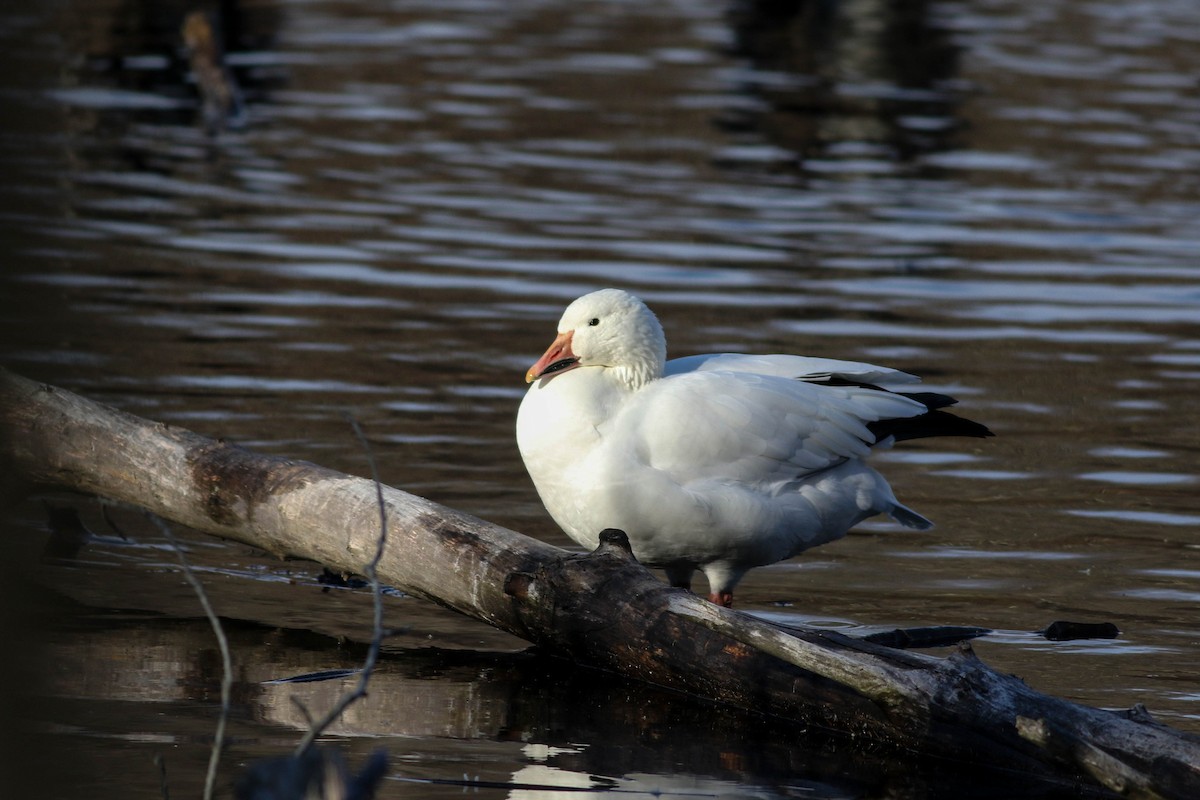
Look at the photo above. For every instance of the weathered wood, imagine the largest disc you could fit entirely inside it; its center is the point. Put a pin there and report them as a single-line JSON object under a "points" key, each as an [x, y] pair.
{"points": [[602, 609]]}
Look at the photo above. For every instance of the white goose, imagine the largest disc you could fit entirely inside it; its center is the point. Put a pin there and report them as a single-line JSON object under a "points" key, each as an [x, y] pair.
{"points": [[716, 462]]}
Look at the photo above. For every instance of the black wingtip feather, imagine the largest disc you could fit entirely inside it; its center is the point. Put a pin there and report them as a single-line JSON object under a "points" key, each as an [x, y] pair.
{"points": [[933, 423], [931, 400]]}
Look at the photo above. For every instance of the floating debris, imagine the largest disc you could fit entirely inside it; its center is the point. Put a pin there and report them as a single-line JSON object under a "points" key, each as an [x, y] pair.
{"points": [[1063, 631], [935, 636]]}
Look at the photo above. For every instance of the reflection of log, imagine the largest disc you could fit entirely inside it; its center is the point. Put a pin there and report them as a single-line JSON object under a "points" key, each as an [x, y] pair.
{"points": [[652, 742], [601, 609]]}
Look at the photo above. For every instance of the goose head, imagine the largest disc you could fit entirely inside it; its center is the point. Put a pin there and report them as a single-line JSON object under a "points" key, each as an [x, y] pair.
{"points": [[608, 329]]}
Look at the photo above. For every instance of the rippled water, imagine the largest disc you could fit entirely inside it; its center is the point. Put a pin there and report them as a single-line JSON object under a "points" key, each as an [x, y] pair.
{"points": [[1000, 196]]}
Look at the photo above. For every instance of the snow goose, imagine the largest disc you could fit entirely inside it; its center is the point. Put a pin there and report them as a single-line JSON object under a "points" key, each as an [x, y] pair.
{"points": [[716, 462]]}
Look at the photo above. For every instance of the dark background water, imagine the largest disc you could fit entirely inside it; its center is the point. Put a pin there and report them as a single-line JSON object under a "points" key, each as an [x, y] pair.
{"points": [[1002, 197]]}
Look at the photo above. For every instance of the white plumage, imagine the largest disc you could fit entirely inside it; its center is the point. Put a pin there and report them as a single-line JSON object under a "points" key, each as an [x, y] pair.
{"points": [[716, 462]]}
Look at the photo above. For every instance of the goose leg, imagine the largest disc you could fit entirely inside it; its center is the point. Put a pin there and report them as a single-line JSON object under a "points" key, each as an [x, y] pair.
{"points": [[722, 598], [680, 575]]}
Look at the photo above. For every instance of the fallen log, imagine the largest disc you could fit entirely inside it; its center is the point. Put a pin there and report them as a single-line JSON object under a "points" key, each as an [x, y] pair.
{"points": [[601, 609]]}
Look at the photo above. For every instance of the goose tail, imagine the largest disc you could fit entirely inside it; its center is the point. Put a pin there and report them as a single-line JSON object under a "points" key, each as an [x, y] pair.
{"points": [[909, 518]]}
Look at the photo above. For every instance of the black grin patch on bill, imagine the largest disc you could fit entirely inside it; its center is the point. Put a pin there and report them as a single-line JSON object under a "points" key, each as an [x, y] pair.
{"points": [[559, 366]]}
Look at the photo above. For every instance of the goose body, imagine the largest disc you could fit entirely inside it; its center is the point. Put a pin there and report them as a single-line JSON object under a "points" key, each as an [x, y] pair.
{"points": [[718, 462]]}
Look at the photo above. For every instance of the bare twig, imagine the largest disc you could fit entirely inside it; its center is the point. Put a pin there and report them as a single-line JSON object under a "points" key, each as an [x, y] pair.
{"points": [[372, 575], [303, 709], [214, 758], [161, 763], [105, 513]]}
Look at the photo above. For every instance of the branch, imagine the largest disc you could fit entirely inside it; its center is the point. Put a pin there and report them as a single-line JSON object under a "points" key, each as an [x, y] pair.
{"points": [[372, 573], [214, 758]]}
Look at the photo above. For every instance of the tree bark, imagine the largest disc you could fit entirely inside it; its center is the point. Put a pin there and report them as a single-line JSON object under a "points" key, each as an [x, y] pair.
{"points": [[601, 609]]}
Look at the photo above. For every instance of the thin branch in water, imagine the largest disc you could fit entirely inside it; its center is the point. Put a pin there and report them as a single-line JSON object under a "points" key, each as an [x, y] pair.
{"points": [[106, 515], [372, 575], [303, 709], [160, 761], [210, 778]]}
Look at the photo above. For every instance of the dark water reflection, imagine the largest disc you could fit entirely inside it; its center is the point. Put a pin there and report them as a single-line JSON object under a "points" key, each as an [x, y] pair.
{"points": [[495, 719], [998, 196]]}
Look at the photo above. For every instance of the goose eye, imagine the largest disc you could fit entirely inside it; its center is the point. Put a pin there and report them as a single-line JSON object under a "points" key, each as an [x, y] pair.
{"points": [[594, 321]]}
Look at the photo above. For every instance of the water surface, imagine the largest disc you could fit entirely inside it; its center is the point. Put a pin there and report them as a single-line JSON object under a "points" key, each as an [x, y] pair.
{"points": [[1000, 197]]}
